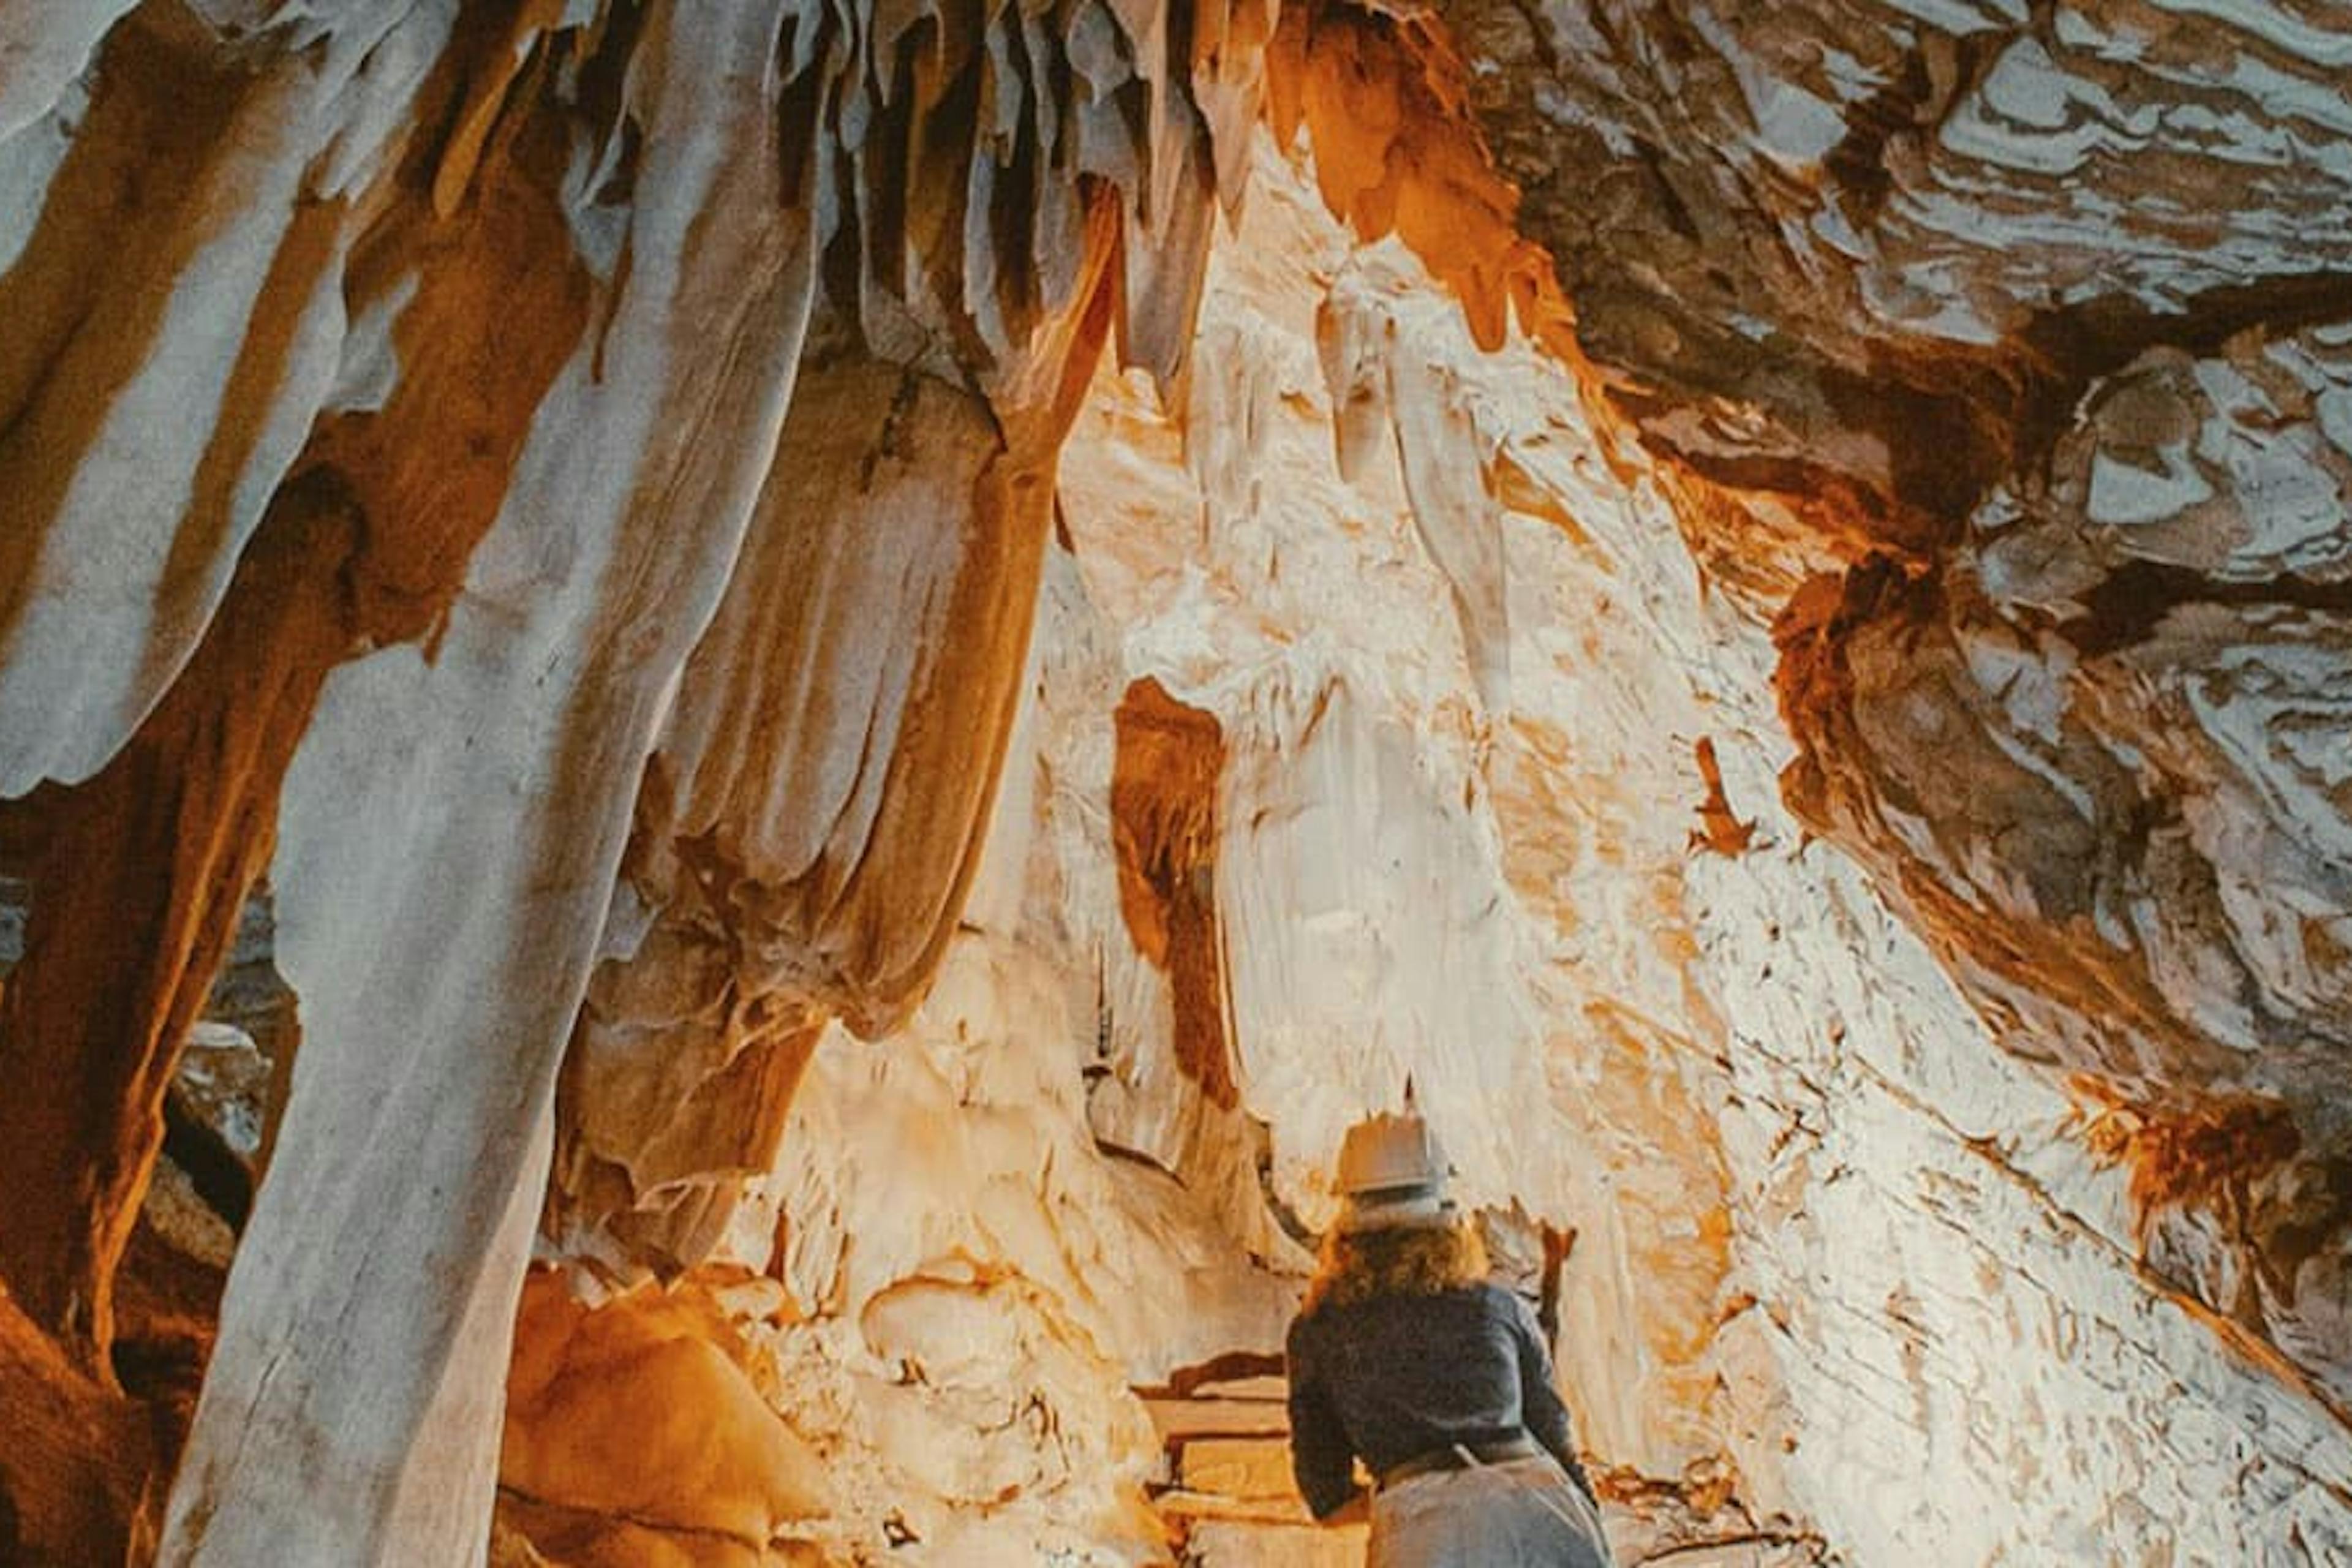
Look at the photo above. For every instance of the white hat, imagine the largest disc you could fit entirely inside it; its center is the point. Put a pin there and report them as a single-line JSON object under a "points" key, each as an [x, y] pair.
{"points": [[1392, 1174]]}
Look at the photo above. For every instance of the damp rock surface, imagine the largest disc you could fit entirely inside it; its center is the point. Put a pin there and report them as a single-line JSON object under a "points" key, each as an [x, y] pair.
{"points": [[828, 688]]}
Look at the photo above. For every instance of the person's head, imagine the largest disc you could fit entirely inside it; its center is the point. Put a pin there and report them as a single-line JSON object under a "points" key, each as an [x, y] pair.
{"points": [[1398, 1232]]}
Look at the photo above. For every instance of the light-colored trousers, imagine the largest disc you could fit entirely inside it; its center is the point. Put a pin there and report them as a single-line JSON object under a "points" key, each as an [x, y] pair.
{"points": [[1522, 1513]]}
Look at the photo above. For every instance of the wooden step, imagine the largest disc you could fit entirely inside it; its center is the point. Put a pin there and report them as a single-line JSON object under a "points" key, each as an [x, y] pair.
{"points": [[1236, 1468], [1189, 1418], [1229, 1544]]}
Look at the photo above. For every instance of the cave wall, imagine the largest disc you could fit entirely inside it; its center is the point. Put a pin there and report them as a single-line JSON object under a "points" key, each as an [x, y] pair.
{"points": [[2020, 328], [1850, 1276], [1779, 667], [400, 396], [1793, 1135]]}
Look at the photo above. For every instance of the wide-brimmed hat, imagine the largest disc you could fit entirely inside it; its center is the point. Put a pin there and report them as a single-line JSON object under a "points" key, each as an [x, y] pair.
{"points": [[1392, 1175]]}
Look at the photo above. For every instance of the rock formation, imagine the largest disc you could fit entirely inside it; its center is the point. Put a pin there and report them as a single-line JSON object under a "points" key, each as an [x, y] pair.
{"points": [[797, 700], [2055, 300]]}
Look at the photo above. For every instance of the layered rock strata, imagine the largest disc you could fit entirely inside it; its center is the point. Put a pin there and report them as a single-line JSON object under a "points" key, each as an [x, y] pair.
{"points": [[2017, 333], [1783, 679]]}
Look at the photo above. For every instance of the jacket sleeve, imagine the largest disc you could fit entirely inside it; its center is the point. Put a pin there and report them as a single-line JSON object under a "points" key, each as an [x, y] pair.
{"points": [[1539, 1403], [1321, 1459]]}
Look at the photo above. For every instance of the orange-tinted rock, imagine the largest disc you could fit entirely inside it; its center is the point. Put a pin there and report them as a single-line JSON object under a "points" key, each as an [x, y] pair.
{"points": [[137, 889], [74, 1471], [815, 810], [1163, 801], [661, 410], [649, 1415]]}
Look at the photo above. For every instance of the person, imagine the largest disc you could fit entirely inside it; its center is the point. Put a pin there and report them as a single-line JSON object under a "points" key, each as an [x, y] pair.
{"points": [[1405, 1355]]}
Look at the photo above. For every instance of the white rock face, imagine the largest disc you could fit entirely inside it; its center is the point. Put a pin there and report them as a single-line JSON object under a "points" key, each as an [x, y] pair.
{"points": [[1837, 1245], [1827, 777], [2005, 348]]}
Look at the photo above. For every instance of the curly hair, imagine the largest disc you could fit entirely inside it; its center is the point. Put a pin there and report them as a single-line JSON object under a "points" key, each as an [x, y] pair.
{"points": [[1414, 1261]]}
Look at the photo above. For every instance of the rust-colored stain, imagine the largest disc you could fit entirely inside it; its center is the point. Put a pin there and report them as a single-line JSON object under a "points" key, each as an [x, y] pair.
{"points": [[1164, 831], [138, 881], [500, 301], [86, 295], [2200, 1151], [1385, 100], [1720, 828]]}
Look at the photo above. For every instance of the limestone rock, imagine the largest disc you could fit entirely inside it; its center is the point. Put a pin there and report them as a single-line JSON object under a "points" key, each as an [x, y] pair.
{"points": [[1863, 240], [410, 380], [223, 1086], [872, 709], [2010, 342], [644, 1420]]}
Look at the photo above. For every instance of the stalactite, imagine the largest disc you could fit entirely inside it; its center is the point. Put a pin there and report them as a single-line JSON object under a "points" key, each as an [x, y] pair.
{"points": [[816, 806], [1164, 804]]}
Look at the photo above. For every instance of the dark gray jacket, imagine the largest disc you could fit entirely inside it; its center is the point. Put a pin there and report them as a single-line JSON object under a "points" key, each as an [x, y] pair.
{"points": [[1395, 1377]]}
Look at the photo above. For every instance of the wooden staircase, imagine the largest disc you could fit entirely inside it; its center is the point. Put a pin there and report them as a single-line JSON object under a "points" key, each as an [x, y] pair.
{"points": [[1226, 1494], [1225, 1489]]}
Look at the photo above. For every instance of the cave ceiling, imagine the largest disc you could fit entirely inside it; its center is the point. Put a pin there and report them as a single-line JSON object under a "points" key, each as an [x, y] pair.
{"points": [[702, 703]]}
